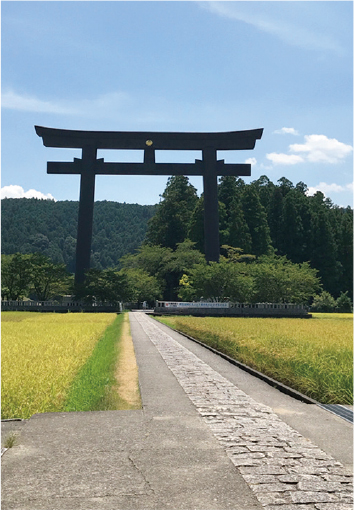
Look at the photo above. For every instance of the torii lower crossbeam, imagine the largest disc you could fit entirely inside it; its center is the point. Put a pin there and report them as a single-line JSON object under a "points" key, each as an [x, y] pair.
{"points": [[89, 166]]}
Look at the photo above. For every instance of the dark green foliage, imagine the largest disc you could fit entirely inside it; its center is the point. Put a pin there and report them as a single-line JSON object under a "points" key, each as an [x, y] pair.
{"points": [[238, 231], [275, 218], [170, 224], [260, 218], [48, 279], [15, 276], [104, 286], [133, 285], [32, 275], [324, 302], [142, 286], [256, 219], [344, 304], [196, 225], [323, 248], [50, 228], [165, 264], [269, 279]]}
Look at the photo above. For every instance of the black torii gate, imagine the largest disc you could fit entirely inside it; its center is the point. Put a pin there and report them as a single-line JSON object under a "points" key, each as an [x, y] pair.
{"points": [[89, 166]]}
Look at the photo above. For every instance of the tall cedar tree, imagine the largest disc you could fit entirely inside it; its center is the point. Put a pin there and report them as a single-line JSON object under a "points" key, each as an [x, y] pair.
{"points": [[239, 233], [169, 226], [256, 218], [324, 250], [196, 225]]}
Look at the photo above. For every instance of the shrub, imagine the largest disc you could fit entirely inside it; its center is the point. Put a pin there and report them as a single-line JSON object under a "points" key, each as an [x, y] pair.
{"points": [[344, 304], [324, 303]]}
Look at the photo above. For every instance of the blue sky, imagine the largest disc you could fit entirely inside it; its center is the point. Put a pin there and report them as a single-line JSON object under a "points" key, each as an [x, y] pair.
{"points": [[179, 66]]}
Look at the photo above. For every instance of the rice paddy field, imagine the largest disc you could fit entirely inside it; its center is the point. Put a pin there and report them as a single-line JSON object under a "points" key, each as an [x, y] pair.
{"points": [[313, 356], [42, 355]]}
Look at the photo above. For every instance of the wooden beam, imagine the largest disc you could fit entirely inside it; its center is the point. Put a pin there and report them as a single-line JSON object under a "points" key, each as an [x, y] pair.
{"points": [[101, 168], [66, 138]]}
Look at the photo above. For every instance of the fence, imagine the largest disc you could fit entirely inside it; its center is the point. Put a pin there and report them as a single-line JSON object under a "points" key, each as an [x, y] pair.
{"points": [[232, 309], [55, 306]]}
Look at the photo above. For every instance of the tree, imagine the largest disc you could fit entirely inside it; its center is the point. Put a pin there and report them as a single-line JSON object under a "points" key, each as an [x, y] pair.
{"points": [[324, 302], [107, 286], [236, 254], [148, 257], [269, 279], [265, 190], [256, 219], [48, 279], [239, 233], [344, 303], [15, 276], [184, 257], [229, 187], [285, 185], [278, 280], [165, 264], [170, 224], [141, 286], [292, 239], [276, 220], [323, 247], [344, 243], [196, 225], [217, 281]]}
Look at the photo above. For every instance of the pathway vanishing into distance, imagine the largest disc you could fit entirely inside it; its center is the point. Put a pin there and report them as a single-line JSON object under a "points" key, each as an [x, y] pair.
{"points": [[284, 469], [208, 437]]}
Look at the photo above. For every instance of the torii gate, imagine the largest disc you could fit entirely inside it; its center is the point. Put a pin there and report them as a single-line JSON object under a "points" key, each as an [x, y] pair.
{"points": [[89, 166]]}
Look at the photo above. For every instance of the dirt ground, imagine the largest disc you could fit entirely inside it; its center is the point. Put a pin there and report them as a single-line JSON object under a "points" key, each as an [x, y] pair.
{"points": [[127, 369]]}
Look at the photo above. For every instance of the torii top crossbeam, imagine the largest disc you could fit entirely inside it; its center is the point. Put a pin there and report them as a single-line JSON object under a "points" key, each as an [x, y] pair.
{"points": [[209, 167]]}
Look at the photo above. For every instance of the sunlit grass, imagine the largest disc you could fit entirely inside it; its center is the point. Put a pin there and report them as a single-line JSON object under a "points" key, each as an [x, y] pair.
{"points": [[41, 354], [313, 356], [95, 387]]}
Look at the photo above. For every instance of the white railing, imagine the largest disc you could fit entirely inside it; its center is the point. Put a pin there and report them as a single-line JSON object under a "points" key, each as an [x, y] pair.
{"points": [[206, 304], [53, 304]]}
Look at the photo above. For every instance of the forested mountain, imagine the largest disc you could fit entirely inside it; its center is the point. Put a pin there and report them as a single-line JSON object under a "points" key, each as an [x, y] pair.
{"points": [[261, 218], [50, 228]]}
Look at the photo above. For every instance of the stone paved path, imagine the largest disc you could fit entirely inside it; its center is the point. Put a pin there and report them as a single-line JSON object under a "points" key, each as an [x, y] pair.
{"points": [[284, 469]]}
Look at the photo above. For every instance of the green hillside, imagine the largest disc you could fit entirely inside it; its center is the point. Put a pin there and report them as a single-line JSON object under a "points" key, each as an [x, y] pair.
{"points": [[48, 227]]}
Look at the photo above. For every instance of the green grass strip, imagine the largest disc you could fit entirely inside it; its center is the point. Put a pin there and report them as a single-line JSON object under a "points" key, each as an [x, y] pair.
{"points": [[92, 389]]}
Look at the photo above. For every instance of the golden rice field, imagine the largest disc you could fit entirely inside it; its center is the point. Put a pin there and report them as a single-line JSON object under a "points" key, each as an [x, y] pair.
{"points": [[313, 356], [40, 356]]}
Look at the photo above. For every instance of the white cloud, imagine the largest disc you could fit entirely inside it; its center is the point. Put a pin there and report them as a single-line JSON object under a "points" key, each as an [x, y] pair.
{"points": [[105, 105], [327, 189], [284, 159], [15, 191], [288, 23], [316, 149], [251, 161], [320, 149], [13, 101], [286, 131]]}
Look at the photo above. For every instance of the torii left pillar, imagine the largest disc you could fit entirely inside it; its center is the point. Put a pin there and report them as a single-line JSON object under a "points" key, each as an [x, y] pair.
{"points": [[85, 219]]}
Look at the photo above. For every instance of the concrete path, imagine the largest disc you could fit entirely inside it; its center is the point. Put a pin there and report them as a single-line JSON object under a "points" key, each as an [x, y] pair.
{"points": [[209, 437]]}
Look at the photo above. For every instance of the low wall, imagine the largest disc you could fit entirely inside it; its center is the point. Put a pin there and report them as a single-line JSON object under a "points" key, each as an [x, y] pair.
{"points": [[240, 310], [49, 306]]}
